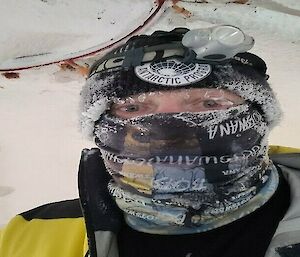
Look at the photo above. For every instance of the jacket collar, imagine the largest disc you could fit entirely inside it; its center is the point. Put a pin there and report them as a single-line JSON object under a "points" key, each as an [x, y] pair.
{"points": [[102, 216], [287, 234]]}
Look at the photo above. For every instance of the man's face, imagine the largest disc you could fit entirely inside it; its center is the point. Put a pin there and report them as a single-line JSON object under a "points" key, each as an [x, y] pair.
{"points": [[174, 101]]}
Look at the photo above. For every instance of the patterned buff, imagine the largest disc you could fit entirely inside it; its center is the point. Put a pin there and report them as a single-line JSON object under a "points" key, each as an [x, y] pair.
{"points": [[178, 173]]}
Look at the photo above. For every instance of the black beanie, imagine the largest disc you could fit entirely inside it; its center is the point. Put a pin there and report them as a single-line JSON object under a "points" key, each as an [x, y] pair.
{"points": [[114, 76]]}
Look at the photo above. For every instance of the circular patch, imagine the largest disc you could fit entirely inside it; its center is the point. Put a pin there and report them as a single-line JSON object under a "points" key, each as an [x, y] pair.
{"points": [[172, 72]]}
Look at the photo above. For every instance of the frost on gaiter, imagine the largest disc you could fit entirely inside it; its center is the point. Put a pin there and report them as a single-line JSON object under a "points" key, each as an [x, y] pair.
{"points": [[180, 172]]}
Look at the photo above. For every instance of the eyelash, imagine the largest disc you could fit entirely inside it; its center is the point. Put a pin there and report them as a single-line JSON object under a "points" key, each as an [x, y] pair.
{"points": [[126, 107], [129, 106], [204, 102], [215, 103], [207, 104]]}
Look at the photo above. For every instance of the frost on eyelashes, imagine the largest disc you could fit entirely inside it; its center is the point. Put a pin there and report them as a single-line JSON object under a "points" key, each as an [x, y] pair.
{"points": [[192, 119]]}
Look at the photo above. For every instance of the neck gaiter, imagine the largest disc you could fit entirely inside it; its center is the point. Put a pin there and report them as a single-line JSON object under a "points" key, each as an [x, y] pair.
{"points": [[179, 173]]}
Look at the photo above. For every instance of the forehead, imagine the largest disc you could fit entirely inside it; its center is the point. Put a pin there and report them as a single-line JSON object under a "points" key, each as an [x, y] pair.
{"points": [[190, 93]]}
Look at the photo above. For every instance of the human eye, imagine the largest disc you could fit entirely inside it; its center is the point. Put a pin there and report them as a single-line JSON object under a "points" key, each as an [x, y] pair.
{"points": [[210, 104], [130, 110], [219, 103]]}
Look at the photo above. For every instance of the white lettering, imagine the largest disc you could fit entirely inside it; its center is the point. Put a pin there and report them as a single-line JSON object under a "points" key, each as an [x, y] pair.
{"points": [[232, 127]]}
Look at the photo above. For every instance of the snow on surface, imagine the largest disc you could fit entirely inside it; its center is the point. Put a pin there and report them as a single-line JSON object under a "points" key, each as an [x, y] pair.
{"points": [[61, 29], [40, 142], [293, 4]]}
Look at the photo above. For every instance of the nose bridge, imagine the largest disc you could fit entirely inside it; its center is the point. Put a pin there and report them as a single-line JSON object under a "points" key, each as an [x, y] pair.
{"points": [[170, 103]]}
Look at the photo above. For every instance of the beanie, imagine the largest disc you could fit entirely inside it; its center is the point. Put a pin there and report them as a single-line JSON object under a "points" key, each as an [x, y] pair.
{"points": [[159, 62]]}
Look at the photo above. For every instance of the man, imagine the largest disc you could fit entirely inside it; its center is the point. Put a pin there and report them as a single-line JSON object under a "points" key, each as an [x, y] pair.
{"points": [[181, 121]]}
